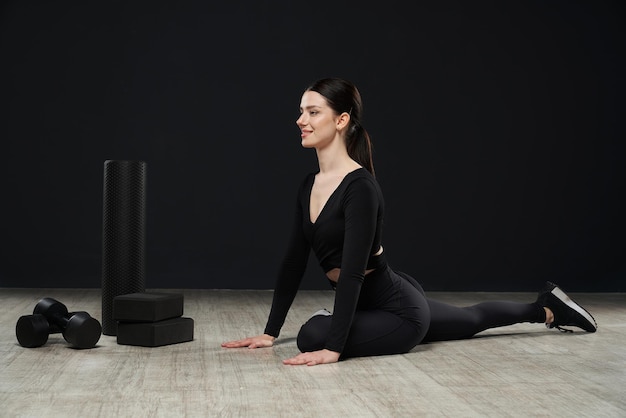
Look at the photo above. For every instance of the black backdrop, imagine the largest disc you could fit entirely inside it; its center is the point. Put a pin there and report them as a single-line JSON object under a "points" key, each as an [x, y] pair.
{"points": [[498, 130]]}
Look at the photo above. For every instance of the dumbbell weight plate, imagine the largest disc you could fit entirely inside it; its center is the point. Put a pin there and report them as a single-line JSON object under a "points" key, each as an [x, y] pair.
{"points": [[50, 307], [32, 330], [82, 330]]}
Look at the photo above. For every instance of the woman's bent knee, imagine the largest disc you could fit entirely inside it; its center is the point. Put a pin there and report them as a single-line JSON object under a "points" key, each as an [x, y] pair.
{"points": [[313, 334]]}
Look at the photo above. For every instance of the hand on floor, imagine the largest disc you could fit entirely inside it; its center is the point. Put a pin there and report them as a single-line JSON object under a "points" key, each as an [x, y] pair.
{"points": [[251, 342], [314, 358]]}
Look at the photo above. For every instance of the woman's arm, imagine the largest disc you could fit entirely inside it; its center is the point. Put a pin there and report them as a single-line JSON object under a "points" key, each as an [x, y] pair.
{"points": [[287, 284], [290, 273], [361, 214]]}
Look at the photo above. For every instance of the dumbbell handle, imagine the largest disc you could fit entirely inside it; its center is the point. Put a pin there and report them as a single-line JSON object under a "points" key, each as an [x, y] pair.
{"points": [[59, 323], [54, 328]]}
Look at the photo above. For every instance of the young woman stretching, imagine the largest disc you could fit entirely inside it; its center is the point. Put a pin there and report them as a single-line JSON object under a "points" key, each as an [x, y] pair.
{"points": [[339, 214]]}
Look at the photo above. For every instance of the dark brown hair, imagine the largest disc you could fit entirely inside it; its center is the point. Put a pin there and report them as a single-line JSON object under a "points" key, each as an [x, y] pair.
{"points": [[343, 96]]}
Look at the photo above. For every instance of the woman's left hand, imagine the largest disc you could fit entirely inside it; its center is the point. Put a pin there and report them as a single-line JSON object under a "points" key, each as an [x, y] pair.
{"points": [[314, 358]]}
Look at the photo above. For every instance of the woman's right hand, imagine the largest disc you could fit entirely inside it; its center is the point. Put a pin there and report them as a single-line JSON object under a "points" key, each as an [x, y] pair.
{"points": [[251, 342]]}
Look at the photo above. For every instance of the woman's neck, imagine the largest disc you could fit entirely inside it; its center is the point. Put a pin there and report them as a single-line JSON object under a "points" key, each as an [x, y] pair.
{"points": [[335, 161]]}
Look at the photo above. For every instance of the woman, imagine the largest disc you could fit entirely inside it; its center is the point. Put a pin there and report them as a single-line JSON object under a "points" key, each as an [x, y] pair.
{"points": [[339, 214]]}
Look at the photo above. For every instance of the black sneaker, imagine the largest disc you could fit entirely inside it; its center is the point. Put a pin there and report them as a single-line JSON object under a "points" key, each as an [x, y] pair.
{"points": [[566, 311]]}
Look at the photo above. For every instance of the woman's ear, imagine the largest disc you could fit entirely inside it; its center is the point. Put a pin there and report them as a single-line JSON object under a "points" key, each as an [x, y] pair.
{"points": [[343, 120]]}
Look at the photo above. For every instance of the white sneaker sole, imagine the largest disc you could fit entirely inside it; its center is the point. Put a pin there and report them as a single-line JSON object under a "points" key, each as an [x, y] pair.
{"points": [[562, 296], [323, 312]]}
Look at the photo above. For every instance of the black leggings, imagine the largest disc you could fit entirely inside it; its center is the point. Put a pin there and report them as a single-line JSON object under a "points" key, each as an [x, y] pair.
{"points": [[409, 318]]}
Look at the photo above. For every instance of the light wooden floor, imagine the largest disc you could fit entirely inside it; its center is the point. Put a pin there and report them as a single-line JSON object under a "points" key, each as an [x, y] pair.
{"points": [[519, 371]]}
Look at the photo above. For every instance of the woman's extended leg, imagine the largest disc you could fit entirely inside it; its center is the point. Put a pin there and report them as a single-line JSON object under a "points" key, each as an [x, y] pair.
{"points": [[449, 322], [452, 323]]}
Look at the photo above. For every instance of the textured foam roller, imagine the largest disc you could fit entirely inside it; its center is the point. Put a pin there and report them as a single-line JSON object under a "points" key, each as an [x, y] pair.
{"points": [[123, 234]]}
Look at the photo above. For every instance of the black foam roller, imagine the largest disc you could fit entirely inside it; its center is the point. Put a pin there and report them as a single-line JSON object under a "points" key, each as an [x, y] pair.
{"points": [[123, 234]]}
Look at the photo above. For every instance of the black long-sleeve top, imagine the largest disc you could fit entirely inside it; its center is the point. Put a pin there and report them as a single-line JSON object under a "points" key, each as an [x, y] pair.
{"points": [[346, 234]]}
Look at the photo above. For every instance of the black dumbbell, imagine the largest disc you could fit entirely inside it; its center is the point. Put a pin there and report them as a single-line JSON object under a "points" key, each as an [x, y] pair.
{"points": [[51, 316]]}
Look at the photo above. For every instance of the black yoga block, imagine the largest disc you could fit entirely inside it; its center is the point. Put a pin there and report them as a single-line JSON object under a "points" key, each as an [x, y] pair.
{"points": [[155, 334], [147, 307]]}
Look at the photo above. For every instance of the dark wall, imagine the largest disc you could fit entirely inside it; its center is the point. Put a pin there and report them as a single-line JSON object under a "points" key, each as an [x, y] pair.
{"points": [[498, 130]]}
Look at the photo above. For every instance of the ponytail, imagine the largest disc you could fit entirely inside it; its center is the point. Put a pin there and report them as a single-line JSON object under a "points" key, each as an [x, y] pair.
{"points": [[359, 146]]}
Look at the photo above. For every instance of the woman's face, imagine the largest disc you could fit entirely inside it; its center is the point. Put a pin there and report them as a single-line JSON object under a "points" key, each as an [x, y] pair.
{"points": [[317, 121]]}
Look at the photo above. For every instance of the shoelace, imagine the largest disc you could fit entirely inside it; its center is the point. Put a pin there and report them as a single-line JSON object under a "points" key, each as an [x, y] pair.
{"points": [[550, 326], [563, 329]]}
